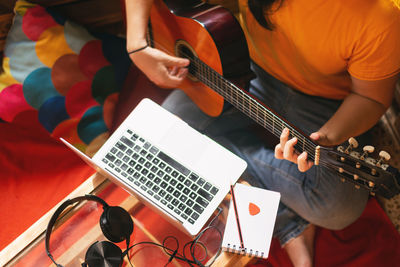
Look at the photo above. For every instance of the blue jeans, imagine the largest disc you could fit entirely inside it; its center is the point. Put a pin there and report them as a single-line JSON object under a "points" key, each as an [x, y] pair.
{"points": [[317, 196]]}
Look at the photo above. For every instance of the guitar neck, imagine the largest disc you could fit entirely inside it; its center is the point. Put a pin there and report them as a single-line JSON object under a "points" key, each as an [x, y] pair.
{"points": [[249, 105]]}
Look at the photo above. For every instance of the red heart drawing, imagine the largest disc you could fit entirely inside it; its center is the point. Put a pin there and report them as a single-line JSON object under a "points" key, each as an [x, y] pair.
{"points": [[253, 209]]}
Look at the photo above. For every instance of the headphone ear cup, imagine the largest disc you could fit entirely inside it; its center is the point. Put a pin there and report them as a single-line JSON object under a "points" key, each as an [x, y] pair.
{"points": [[103, 253], [116, 224]]}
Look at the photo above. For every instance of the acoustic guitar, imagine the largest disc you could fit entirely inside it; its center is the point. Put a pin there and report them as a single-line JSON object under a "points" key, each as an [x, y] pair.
{"points": [[212, 39]]}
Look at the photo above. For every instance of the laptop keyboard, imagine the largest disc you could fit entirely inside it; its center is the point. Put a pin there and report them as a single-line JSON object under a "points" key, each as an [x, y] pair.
{"points": [[161, 178]]}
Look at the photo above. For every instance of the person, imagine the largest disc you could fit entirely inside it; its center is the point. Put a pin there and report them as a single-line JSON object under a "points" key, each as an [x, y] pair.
{"points": [[328, 67]]}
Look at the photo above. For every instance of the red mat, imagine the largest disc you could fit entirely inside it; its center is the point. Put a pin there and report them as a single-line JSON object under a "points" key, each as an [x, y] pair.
{"points": [[37, 172], [371, 241]]}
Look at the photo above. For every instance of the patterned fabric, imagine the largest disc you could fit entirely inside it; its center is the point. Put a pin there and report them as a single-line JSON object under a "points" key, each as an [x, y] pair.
{"points": [[68, 76]]}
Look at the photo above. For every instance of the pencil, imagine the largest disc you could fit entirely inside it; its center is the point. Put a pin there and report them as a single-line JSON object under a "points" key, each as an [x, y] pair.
{"points": [[237, 218]]}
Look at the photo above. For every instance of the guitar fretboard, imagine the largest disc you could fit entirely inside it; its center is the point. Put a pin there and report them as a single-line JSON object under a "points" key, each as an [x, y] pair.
{"points": [[248, 104]]}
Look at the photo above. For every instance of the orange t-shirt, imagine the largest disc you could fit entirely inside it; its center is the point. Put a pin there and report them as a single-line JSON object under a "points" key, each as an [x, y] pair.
{"points": [[317, 44]]}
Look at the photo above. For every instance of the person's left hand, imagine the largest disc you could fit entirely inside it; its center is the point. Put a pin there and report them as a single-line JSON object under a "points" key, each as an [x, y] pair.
{"points": [[285, 150]]}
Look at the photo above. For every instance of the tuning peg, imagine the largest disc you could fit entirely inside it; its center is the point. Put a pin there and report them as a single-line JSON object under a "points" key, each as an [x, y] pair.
{"points": [[352, 144], [383, 156], [367, 150]]}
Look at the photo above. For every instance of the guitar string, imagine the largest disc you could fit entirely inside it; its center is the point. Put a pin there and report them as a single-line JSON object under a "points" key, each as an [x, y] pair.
{"points": [[254, 114], [197, 61], [311, 155], [310, 146], [322, 162]]}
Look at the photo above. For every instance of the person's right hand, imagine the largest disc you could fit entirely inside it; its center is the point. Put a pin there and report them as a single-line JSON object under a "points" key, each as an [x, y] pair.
{"points": [[162, 69]]}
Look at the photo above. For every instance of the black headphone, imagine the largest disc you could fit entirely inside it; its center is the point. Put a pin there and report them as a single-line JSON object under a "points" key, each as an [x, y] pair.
{"points": [[116, 225]]}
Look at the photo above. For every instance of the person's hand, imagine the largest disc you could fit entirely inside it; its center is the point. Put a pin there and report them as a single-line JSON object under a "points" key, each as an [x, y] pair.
{"points": [[162, 69], [285, 149]]}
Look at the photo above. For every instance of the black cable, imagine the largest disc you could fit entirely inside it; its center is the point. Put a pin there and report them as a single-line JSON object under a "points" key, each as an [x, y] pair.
{"points": [[174, 254], [127, 247]]}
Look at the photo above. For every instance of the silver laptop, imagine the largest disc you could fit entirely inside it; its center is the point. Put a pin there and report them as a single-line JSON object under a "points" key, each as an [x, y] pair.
{"points": [[179, 172]]}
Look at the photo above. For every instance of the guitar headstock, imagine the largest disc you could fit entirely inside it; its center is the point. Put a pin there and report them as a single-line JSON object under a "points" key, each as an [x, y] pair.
{"points": [[360, 168]]}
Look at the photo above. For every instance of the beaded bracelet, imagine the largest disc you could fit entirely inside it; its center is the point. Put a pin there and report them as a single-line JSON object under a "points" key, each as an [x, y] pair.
{"points": [[137, 50]]}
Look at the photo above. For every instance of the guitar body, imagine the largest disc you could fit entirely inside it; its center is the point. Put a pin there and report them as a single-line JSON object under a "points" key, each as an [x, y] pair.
{"points": [[211, 33]]}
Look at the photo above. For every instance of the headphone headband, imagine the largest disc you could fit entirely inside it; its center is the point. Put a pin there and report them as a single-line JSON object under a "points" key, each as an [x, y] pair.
{"points": [[57, 213]]}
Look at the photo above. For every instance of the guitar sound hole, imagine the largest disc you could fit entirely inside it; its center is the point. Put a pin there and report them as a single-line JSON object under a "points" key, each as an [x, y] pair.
{"points": [[185, 52], [183, 49]]}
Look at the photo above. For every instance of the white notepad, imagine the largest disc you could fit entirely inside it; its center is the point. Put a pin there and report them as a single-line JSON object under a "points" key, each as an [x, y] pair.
{"points": [[257, 209]]}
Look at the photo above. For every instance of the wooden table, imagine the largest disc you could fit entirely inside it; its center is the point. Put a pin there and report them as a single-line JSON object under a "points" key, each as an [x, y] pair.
{"points": [[78, 228]]}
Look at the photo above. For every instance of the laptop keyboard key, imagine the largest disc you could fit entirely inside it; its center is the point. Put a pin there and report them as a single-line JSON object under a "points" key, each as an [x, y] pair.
{"points": [[129, 152], [193, 195], [155, 189], [176, 193], [177, 211], [168, 197], [202, 202], [205, 194], [193, 177], [138, 167], [126, 141], [188, 211], [189, 203], [201, 181], [170, 189], [121, 146], [194, 187], [153, 150], [198, 208], [110, 157], [195, 216], [186, 191], [162, 193], [179, 186], [183, 198], [147, 145], [207, 186]]}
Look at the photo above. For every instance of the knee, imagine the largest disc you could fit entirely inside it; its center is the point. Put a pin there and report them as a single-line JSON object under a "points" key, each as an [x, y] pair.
{"points": [[338, 215]]}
